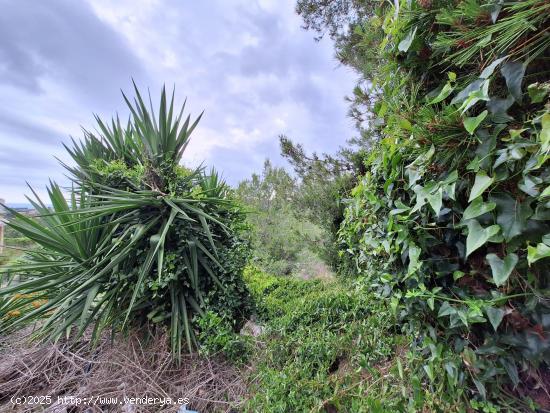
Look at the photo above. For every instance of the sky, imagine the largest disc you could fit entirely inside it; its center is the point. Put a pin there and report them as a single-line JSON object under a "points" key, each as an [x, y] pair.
{"points": [[247, 63]]}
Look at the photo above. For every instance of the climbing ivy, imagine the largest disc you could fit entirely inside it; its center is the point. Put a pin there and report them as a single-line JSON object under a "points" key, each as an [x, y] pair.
{"points": [[451, 222]]}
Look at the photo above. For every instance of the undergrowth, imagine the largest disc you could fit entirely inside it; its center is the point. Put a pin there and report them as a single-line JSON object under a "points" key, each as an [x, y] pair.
{"points": [[328, 347]]}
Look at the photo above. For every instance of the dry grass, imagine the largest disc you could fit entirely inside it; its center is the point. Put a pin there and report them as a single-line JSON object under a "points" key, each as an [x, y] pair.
{"points": [[126, 368]]}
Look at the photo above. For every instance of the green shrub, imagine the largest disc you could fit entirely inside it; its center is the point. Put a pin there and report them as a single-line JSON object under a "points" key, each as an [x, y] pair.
{"points": [[327, 346], [140, 241], [451, 221], [217, 336]]}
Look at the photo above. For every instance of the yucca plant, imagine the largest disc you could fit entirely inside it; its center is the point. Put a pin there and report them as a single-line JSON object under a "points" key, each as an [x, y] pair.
{"points": [[142, 241]]}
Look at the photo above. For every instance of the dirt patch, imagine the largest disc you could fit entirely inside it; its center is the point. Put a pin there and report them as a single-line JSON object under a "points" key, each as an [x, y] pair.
{"points": [[315, 271]]}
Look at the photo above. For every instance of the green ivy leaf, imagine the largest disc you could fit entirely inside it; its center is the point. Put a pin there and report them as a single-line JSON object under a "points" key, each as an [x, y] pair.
{"points": [[478, 236], [476, 96], [436, 200], [512, 215], [529, 185], [431, 303], [513, 74], [445, 92], [499, 109], [495, 10], [463, 317], [537, 92], [481, 183], [472, 123], [488, 71], [477, 208], [414, 259], [405, 44], [461, 96], [445, 309], [413, 174], [502, 268], [495, 316], [537, 253]]}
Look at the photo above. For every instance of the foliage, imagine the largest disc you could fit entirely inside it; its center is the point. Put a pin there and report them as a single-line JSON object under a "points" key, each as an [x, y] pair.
{"points": [[329, 347], [323, 181], [332, 16], [218, 337], [280, 234], [140, 241], [450, 221]]}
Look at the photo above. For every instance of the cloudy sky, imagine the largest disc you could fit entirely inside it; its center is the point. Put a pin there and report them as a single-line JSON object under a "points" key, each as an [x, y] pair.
{"points": [[248, 63]]}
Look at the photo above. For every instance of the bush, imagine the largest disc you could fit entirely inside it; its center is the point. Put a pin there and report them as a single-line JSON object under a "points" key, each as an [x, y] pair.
{"points": [[141, 240], [327, 345], [218, 337], [451, 221]]}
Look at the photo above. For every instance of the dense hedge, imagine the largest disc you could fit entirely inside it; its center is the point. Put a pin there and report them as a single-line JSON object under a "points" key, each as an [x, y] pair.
{"points": [[452, 220]]}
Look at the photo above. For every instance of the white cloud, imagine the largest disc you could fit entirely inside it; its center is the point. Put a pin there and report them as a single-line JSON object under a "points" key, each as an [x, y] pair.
{"points": [[247, 63]]}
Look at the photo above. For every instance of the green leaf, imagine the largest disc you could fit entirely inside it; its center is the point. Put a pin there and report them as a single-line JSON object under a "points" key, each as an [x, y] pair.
{"points": [[463, 317], [502, 268], [494, 9], [545, 132], [512, 215], [478, 236], [405, 124], [445, 309], [414, 259], [405, 44], [436, 200], [476, 96], [471, 124], [429, 371], [431, 303], [443, 94], [458, 274], [537, 253], [499, 109], [414, 173], [495, 316], [473, 87], [537, 92], [529, 185], [513, 73], [481, 389], [481, 183], [511, 369], [477, 208], [488, 71]]}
